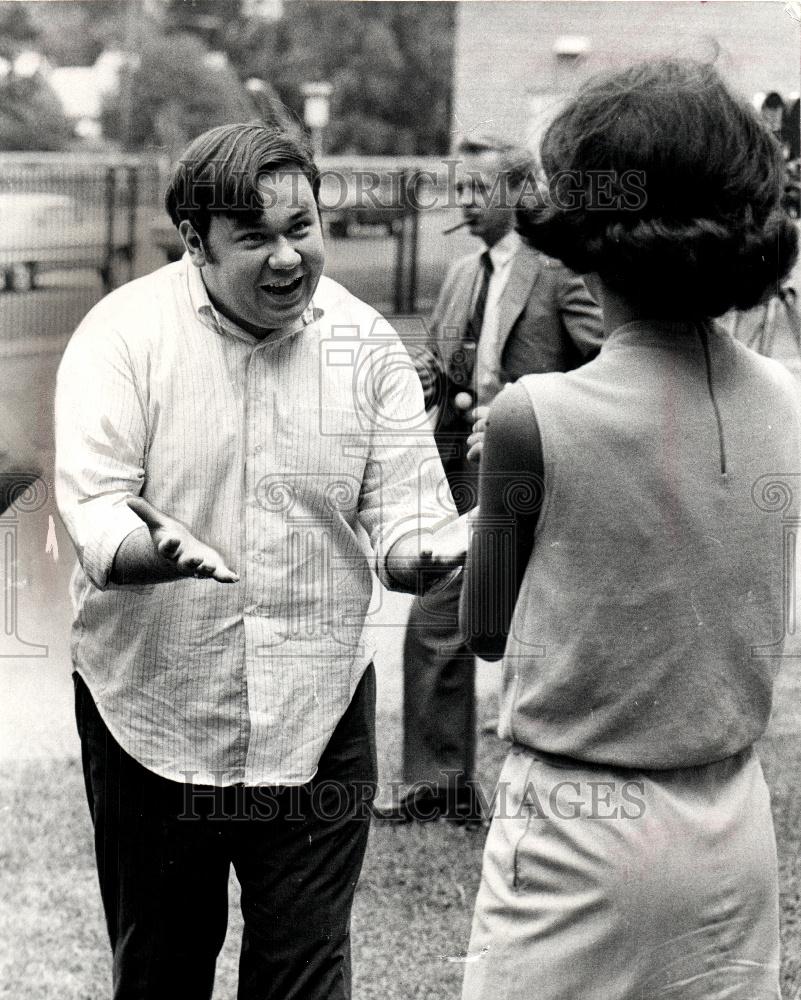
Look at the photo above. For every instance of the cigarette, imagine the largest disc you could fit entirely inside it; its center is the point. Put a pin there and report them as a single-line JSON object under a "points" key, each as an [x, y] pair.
{"points": [[452, 229]]}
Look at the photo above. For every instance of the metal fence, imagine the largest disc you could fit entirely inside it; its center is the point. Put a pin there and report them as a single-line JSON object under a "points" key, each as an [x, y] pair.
{"points": [[74, 227], [386, 221], [67, 214]]}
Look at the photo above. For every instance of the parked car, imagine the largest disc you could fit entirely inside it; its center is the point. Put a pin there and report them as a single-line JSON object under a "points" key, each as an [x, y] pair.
{"points": [[43, 231], [364, 200]]}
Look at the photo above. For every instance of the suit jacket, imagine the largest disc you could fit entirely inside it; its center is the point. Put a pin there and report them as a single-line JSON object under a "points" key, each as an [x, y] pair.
{"points": [[547, 321]]}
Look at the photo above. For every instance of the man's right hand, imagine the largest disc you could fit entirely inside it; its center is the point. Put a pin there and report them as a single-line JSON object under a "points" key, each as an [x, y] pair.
{"points": [[176, 543]]}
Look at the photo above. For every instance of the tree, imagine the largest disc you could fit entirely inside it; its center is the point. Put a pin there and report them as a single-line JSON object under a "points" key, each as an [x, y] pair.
{"points": [[31, 117], [213, 21], [178, 90], [75, 33], [390, 65], [426, 40], [17, 31]]}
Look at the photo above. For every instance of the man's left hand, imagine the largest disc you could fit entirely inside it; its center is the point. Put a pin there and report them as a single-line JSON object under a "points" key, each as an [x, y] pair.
{"points": [[415, 561]]}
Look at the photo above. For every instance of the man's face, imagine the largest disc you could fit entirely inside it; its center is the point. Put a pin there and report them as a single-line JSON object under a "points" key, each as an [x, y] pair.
{"points": [[484, 195], [262, 272]]}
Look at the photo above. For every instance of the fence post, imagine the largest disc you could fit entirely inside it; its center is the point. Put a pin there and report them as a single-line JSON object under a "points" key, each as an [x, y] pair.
{"points": [[133, 205], [32, 498], [400, 248], [107, 270], [414, 240]]}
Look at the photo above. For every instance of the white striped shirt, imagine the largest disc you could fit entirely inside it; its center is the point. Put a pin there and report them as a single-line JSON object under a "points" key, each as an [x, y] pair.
{"points": [[272, 451]]}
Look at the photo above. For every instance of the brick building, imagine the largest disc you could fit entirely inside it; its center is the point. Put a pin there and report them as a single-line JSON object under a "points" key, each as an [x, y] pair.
{"points": [[515, 61]]}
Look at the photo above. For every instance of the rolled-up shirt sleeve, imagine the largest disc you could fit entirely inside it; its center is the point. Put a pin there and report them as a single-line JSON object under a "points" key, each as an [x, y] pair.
{"points": [[101, 434], [404, 488]]}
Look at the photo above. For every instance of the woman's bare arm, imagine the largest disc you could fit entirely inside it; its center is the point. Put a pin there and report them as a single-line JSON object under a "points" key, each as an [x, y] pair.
{"points": [[510, 497]]}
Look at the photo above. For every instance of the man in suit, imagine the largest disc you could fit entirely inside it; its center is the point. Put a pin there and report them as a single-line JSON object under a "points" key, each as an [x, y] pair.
{"points": [[504, 311]]}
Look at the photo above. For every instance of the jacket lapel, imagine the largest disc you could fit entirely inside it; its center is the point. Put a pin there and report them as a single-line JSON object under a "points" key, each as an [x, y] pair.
{"points": [[525, 272], [458, 309]]}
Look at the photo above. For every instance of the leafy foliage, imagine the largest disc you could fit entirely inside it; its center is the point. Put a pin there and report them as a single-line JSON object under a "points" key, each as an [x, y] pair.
{"points": [[176, 92], [31, 117], [390, 65], [216, 22], [17, 31], [75, 33]]}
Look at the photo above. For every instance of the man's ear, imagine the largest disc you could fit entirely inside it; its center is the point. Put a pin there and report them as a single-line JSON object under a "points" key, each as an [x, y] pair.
{"points": [[193, 243]]}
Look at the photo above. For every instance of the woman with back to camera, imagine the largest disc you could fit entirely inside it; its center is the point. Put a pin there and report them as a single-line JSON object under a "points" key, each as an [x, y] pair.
{"points": [[622, 513]]}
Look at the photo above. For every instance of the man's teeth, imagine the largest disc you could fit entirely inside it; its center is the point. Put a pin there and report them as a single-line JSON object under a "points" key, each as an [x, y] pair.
{"points": [[281, 288]]}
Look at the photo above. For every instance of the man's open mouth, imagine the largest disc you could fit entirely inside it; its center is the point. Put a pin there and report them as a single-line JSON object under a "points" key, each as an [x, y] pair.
{"points": [[283, 287]]}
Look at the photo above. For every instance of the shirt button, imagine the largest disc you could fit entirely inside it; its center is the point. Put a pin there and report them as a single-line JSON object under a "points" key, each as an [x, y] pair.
{"points": [[258, 449]]}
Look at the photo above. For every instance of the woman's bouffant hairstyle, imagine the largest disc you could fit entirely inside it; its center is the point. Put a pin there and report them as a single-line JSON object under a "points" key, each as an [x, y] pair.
{"points": [[218, 173], [668, 187]]}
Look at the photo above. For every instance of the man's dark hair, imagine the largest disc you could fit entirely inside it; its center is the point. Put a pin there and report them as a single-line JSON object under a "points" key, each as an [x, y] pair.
{"points": [[708, 232], [516, 162], [218, 173]]}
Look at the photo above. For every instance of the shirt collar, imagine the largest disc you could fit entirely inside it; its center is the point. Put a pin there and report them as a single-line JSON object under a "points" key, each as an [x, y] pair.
{"points": [[211, 317], [504, 249]]}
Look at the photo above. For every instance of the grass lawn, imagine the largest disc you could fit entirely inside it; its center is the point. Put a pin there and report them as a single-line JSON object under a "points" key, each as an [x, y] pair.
{"points": [[413, 905], [780, 750], [411, 919]]}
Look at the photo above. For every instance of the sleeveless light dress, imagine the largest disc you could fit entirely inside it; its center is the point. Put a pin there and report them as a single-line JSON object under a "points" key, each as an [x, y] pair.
{"points": [[608, 884], [631, 854]]}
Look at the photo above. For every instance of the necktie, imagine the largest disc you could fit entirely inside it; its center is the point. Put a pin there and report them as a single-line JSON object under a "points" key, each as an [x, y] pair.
{"points": [[476, 318], [463, 359]]}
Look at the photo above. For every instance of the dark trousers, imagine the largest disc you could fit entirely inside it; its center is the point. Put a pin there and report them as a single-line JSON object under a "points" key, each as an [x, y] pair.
{"points": [[164, 850], [439, 702]]}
